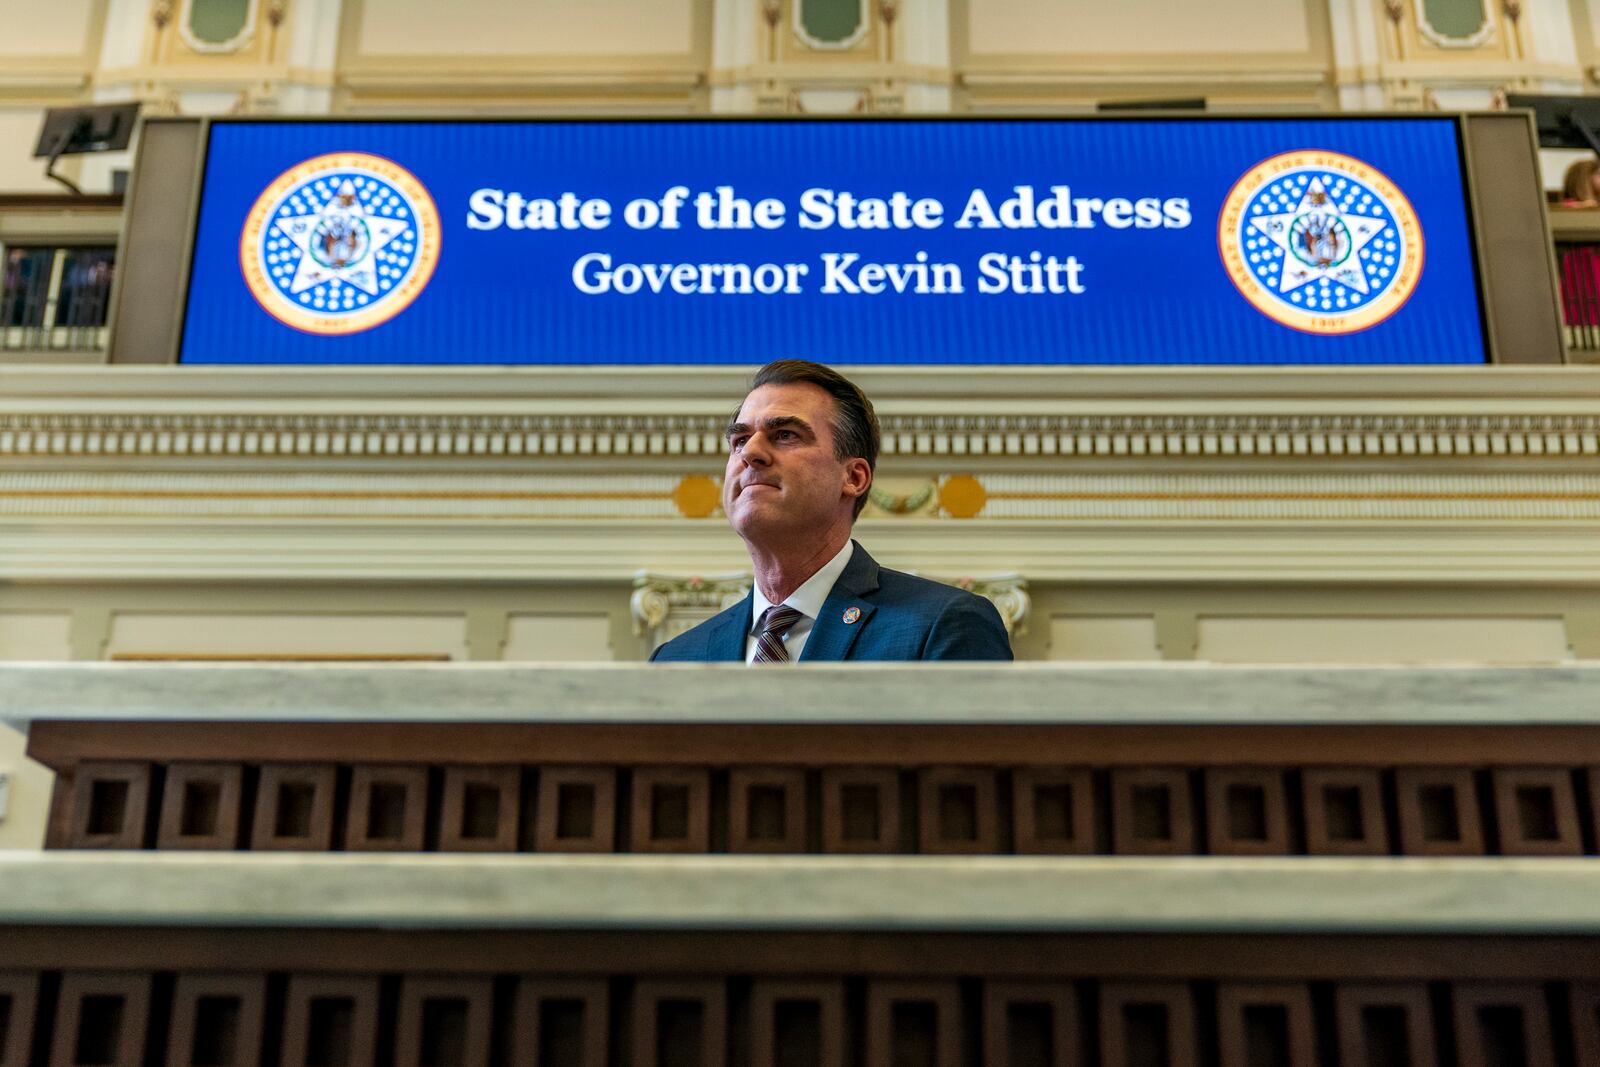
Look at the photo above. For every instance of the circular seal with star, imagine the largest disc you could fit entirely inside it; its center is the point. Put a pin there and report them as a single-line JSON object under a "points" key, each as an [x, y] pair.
{"points": [[1320, 242], [340, 243]]}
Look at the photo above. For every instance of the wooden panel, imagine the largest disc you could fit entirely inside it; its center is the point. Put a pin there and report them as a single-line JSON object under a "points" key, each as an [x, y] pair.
{"points": [[1167, 956], [1592, 776], [330, 1022], [1151, 811], [913, 1022], [1265, 1024], [1586, 1023], [444, 1022], [577, 810], [59, 745], [956, 811], [200, 806], [861, 810], [1245, 812], [1438, 812], [1536, 811], [388, 809], [19, 1004], [58, 824], [110, 805], [1053, 811], [1385, 1024], [561, 1024], [1145, 1025], [102, 1020], [409, 1019], [1032, 1023], [671, 810], [1499, 1024], [797, 1022], [680, 1022], [480, 809], [218, 1020], [294, 808], [766, 809], [1344, 811]]}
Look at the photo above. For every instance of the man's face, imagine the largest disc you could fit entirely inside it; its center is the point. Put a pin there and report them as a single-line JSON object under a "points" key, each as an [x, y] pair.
{"points": [[782, 479]]}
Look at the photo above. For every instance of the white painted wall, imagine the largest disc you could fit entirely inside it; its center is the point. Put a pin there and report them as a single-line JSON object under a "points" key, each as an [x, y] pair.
{"points": [[1355, 639], [246, 635], [28, 636], [1103, 637], [558, 638], [57, 28], [527, 27], [1008, 27], [19, 132]]}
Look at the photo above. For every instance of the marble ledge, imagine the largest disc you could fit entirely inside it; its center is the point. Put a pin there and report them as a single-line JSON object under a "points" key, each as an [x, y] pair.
{"points": [[972, 894], [911, 694]]}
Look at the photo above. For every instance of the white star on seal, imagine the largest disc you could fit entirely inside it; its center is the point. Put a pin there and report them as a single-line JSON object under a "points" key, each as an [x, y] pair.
{"points": [[348, 240], [1311, 249]]}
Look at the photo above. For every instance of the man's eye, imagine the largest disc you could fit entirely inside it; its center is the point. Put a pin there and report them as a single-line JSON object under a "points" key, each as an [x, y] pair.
{"points": [[736, 443]]}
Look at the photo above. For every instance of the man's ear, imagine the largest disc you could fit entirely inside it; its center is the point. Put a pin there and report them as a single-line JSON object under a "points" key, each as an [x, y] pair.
{"points": [[857, 477]]}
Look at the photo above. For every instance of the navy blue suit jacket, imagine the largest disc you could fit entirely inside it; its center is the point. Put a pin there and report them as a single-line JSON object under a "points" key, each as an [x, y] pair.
{"points": [[902, 618]]}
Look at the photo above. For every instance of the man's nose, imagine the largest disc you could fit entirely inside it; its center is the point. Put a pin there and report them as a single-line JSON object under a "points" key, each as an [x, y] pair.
{"points": [[755, 451]]}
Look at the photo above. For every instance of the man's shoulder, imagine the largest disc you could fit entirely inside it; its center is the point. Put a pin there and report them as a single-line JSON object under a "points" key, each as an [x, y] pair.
{"points": [[944, 621], [896, 585], [694, 644]]}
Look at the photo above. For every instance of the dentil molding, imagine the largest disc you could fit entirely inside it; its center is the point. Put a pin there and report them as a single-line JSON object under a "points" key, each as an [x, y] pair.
{"points": [[1031, 417]]}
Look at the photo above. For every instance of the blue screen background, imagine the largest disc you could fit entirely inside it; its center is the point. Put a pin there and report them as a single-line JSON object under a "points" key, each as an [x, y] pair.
{"points": [[1158, 296]]}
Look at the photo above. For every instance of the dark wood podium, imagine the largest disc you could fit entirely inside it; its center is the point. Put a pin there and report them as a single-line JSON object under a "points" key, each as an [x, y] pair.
{"points": [[475, 865]]}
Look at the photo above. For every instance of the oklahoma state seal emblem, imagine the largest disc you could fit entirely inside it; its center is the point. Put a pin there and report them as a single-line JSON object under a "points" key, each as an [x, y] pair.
{"points": [[340, 243], [1320, 242]]}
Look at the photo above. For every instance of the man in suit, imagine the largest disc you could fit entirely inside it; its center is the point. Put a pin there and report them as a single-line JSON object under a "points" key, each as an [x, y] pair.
{"points": [[801, 453]]}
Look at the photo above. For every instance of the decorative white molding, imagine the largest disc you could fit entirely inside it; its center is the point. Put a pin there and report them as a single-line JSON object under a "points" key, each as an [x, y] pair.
{"points": [[71, 430], [510, 551], [463, 498], [664, 606], [471, 498], [1012, 419], [1482, 36]]}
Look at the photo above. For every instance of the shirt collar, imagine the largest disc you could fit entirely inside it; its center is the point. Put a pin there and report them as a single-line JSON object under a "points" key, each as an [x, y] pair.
{"points": [[813, 592]]}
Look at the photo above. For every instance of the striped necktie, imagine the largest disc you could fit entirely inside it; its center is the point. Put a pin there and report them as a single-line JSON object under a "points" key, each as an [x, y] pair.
{"points": [[775, 622]]}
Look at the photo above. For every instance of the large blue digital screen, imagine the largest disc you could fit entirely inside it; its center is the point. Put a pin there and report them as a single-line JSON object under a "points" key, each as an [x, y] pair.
{"points": [[1136, 241]]}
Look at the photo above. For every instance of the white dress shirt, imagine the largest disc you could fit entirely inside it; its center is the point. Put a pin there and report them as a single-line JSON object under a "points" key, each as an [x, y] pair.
{"points": [[807, 600]]}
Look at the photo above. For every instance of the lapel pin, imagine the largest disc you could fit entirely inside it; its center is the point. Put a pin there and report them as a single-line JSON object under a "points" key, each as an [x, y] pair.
{"points": [[851, 615]]}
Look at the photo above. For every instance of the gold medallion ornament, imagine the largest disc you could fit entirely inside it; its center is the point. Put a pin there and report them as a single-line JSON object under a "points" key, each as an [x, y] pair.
{"points": [[962, 496], [340, 243], [1320, 242], [696, 496]]}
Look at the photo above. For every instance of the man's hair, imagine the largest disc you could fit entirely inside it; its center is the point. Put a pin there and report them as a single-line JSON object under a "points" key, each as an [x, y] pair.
{"points": [[855, 425]]}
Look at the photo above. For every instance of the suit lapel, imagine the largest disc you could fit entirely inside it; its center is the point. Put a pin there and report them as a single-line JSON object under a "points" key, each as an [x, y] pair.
{"points": [[725, 642], [831, 637]]}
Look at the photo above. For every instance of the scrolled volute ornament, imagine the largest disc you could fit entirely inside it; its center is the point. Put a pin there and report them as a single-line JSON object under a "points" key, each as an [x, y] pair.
{"points": [[649, 607]]}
